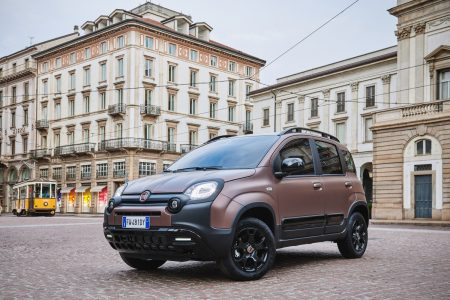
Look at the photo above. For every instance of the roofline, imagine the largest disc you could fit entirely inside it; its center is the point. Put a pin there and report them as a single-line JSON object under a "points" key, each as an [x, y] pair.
{"points": [[143, 23], [346, 67], [33, 47], [169, 19]]}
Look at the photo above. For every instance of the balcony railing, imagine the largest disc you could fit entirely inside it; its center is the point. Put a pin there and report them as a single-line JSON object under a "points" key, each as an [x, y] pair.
{"points": [[17, 72], [70, 176], [119, 173], [101, 175], [42, 124], [56, 176], [116, 109], [185, 148], [122, 143], [150, 110], [40, 153], [74, 149], [422, 109], [86, 175], [171, 147], [247, 127]]}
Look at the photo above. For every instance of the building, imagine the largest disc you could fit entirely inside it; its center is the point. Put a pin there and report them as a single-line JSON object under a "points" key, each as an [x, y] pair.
{"points": [[130, 94], [359, 99], [17, 114]]}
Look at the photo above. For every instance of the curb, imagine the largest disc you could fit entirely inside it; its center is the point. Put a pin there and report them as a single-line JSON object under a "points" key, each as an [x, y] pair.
{"points": [[430, 223]]}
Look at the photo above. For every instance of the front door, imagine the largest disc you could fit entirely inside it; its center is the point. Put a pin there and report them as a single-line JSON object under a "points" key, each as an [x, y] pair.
{"points": [[299, 193], [423, 196]]}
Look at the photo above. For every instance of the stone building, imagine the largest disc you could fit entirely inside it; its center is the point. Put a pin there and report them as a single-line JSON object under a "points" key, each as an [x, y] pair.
{"points": [[124, 99]]}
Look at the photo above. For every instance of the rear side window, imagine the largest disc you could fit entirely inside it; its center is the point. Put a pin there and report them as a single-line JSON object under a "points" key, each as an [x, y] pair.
{"points": [[299, 148], [329, 158], [349, 164]]}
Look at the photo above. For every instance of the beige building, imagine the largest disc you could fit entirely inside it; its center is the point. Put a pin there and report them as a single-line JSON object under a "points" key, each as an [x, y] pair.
{"points": [[17, 115], [124, 99]]}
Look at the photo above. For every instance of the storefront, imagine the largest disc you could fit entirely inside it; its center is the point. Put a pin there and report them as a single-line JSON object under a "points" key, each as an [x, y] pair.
{"points": [[84, 198], [100, 197], [68, 199]]}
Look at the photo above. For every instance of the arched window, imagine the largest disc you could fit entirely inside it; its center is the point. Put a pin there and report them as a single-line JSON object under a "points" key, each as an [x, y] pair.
{"points": [[423, 147]]}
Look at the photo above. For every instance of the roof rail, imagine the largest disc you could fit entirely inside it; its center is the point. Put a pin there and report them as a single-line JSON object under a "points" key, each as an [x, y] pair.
{"points": [[219, 137], [307, 130]]}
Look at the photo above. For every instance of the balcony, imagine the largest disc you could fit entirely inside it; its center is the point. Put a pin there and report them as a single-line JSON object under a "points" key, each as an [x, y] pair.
{"points": [[422, 109], [119, 173], [131, 143], [18, 72], [102, 175], [40, 153], [247, 127], [185, 148], [116, 109], [42, 124], [74, 149], [150, 110]]}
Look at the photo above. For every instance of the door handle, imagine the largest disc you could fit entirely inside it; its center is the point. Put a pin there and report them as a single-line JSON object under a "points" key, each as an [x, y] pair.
{"points": [[348, 184], [317, 185]]}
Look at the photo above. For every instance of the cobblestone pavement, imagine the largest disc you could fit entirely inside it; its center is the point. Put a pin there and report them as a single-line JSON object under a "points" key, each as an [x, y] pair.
{"points": [[68, 258]]}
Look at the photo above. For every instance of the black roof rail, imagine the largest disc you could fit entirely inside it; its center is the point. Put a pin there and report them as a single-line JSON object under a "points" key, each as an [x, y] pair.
{"points": [[307, 130], [219, 137]]}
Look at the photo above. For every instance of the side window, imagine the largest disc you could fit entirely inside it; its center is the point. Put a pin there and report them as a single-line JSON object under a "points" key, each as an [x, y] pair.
{"points": [[299, 148], [329, 158], [348, 161]]}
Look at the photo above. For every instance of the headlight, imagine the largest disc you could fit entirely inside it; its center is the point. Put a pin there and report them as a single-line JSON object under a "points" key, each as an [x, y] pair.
{"points": [[119, 190], [201, 190]]}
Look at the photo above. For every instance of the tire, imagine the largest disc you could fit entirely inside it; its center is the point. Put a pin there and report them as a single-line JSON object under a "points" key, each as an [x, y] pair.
{"points": [[52, 213], [141, 264], [355, 242], [252, 252]]}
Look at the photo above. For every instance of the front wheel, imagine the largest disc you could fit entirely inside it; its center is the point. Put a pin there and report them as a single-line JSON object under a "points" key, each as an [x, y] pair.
{"points": [[355, 242], [252, 252], [141, 264]]}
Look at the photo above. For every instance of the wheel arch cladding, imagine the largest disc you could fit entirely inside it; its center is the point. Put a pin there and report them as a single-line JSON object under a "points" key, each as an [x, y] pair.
{"points": [[361, 207], [261, 212]]}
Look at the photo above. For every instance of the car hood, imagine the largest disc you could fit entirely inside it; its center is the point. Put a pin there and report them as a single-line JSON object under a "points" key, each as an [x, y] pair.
{"points": [[179, 182]]}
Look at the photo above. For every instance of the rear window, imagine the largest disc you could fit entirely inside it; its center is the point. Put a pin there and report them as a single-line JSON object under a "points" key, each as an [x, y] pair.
{"points": [[329, 158], [348, 161]]}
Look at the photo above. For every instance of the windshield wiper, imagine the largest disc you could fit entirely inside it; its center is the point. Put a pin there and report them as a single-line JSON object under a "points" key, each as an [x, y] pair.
{"points": [[197, 169]]}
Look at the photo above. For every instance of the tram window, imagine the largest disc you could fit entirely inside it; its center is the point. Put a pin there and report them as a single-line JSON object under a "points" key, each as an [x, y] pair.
{"points": [[37, 190], [23, 192], [45, 190], [53, 194]]}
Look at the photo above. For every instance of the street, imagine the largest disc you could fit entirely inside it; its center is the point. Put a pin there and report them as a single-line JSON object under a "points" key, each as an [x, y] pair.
{"points": [[67, 257]]}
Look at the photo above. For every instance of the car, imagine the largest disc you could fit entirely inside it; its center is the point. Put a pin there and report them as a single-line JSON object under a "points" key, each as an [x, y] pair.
{"points": [[236, 200]]}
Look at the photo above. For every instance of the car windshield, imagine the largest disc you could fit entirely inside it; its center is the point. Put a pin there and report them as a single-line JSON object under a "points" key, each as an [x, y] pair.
{"points": [[244, 152]]}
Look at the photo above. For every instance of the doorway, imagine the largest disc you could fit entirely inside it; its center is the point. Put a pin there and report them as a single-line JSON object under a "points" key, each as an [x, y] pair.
{"points": [[423, 196]]}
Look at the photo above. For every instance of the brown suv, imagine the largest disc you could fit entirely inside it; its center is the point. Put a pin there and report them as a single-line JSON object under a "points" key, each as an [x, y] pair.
{"points": [[236, 200]]}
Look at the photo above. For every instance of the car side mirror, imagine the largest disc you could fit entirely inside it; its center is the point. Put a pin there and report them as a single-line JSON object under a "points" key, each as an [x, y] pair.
{"points": [[292, 164]]}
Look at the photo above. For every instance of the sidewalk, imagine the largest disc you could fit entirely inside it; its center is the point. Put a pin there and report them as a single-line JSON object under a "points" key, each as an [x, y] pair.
{"points": [[411, 222]]}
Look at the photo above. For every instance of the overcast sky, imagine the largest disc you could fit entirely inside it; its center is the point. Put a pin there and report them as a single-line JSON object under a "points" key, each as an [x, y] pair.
{"points": [[263, 28]]}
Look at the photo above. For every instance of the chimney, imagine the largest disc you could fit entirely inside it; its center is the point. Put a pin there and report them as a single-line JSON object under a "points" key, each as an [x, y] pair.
{"points": [[75, 29]]}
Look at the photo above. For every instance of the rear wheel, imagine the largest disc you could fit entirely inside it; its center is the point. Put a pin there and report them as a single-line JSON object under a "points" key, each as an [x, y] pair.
{"points": [[355, 242], [252, 252], [52, 213], [141, 264]]}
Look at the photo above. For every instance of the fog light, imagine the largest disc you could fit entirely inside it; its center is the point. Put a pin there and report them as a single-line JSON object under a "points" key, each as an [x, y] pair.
{"points": [[174, 205], [183, 239]]}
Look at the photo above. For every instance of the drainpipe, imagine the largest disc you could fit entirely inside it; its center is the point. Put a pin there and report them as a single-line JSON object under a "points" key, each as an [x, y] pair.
{"points": [[274, 111]]}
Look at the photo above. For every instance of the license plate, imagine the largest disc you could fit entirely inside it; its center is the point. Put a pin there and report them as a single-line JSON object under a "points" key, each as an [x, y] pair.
{"points": [[136, 222]]}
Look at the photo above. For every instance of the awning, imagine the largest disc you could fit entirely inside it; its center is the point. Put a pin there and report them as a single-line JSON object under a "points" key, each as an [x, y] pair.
{"points": [[97, 188], [82, 189], [66, 190]]}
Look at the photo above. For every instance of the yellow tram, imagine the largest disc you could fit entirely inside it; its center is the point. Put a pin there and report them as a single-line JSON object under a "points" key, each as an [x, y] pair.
{"points": [[34, 197]]}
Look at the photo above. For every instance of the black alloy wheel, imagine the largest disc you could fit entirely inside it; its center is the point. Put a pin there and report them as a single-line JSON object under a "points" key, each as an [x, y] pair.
{"points": [[355, 242]]}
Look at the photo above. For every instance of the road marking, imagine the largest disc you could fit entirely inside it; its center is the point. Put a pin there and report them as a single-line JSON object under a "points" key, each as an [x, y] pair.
{"points": [[410, 230], [47, 225]]}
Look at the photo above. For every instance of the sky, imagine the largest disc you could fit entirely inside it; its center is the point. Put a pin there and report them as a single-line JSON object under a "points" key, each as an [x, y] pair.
{"points": [[262, 28]]}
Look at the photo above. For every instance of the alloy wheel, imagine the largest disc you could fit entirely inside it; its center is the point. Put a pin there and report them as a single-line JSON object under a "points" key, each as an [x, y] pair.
{"points": [[250, 249]]}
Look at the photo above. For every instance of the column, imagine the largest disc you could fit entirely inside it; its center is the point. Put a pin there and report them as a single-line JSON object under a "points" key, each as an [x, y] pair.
{"points": [[279, 114], [386, 90], [326, 105], [354, 117], [301, 112], [419, 30]]}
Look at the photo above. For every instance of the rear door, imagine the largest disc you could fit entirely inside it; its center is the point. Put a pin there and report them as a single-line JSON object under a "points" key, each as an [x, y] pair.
{"points": [[337, 189]]}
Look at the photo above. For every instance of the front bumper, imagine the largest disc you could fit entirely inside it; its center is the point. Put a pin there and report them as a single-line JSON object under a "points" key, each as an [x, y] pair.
{"points": [[187, 235]]}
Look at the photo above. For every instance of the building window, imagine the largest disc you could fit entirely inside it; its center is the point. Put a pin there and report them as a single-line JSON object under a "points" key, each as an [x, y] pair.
{"points": [[231, 88], [87, 53], [87, 77], [26, 90], [265, 117], [148, 97], [25, 144], [147, 168], [119, 95], [14, 94], [25, 117], [340, 132], [120, 67], [43, 173], [314, 107], [193, 137], [172, 49], [103, 47], [1, 98], [86, 135], [148, 128], [102, 96], [102, 133], [58, 63], [12, 141], [290, 112], [103, 71], [193, 55], [72, 58], [370, 96], [57, 140], [171, 138], [193, 78], [72, 81], [70, 138], [367, 131], [171, 102], [71, 108], [248, 71], [85, 171], [213, 61], [248, 89], [45, 87], [172, 69], [70, 172], [232, 66], [120, 41], [58, 84], [213, 83], [102, 170], [119, 130], [148, 42], [231, 113], [57, 110], [192, 106], [148, 66], [119, 169], [56, 173], [212, 110], [340, 102], [86, 104], [44, 67], [165, 166], [13, 119], [444, 84], [423, 147]]}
